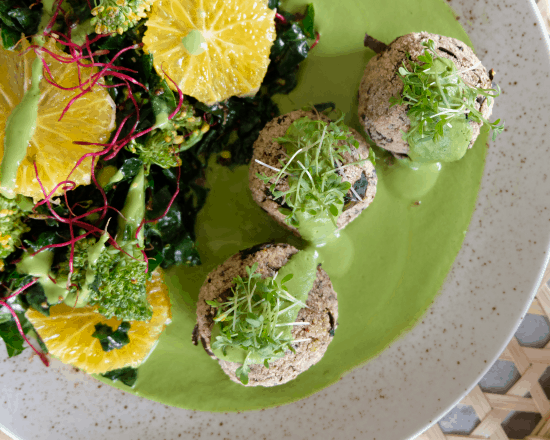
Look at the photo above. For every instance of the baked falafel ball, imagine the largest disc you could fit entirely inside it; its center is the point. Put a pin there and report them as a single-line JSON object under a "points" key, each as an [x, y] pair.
{"points": [[362, 177], [321, 313], [384, 124]]}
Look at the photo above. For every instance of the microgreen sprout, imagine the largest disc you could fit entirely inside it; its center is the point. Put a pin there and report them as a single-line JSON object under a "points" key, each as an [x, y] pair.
{"points": [[437, 95], [251, 319], [314, 150]]}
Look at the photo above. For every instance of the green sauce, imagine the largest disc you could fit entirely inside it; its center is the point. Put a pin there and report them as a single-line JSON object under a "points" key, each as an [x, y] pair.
{"points": [[161, 119], [20, 128], [81, 300], [411, 180], [387, 266], [194, 42], [134, 207], [317, 229], [453, 144], [39, 266], [81, 30]]}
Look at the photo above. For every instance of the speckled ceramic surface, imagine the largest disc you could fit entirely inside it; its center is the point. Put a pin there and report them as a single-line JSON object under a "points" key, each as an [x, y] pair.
{"points": [[420, 376]]}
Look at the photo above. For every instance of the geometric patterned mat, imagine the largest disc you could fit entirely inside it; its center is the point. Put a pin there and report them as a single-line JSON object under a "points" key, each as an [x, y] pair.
{"points": [[520, 407]]}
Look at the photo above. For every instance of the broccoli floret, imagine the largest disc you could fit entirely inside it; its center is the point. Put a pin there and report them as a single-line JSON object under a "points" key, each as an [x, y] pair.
{"points": [[117, 284], [113, 277], [162, 145], [119, 287], [11, 227], [112, 16]]}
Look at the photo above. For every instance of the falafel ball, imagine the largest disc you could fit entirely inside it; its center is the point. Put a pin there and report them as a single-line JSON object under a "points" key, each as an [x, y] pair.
{"points": [[362, 177], [384, 124], [321, 313]]}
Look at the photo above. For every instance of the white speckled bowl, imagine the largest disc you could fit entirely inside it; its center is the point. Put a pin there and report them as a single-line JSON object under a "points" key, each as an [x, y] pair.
{"points": [[421, 375]]}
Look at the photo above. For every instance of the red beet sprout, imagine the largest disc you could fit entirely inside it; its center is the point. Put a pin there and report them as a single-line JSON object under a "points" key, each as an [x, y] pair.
{"points": [[57, 9], [85, 58], [282, 19], [317, 38], [4, 302]]}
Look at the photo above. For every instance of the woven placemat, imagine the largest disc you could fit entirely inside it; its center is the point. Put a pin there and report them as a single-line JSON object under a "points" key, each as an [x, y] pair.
{"points": [[526, 395], [544, 6]]}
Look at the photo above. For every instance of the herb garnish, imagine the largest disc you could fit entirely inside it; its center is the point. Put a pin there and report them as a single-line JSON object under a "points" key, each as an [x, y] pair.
{"points": [[250, 319], [315, 150], [437, 95]]}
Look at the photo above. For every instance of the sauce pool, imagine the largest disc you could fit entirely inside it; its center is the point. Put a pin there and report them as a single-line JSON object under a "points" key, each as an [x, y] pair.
{"points": [[387, 266]]}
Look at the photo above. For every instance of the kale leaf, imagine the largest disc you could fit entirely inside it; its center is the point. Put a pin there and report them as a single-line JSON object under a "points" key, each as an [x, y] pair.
{"points": [[128, 376], [112, 339]]}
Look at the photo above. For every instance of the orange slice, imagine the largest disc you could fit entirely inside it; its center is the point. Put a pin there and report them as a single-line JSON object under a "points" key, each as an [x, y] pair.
{"points": [[91, 118], [67, 332], [212, 49]]}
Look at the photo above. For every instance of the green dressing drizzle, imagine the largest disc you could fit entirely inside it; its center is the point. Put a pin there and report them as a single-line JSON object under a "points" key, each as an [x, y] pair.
{"points": [[81, 30], [39, 266], [161, 119], [20, 128], [109, 174], [318, 229], [81, 299], [411, 180], [134, 207], [194, 42]]}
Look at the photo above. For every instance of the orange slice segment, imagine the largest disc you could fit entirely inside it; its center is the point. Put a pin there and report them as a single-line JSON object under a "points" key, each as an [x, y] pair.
{"points": [[212, 49], [91, 118], [67, 332]]}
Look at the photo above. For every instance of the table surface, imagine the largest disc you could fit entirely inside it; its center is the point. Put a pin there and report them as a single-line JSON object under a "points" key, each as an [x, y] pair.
{"points": [[534, 332]]}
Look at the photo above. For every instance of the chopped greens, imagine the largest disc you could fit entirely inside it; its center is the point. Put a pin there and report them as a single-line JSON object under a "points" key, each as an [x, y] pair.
{"points": [[112, 339], [128, 375], [437, 95], [12, 227], [249, 319]]}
